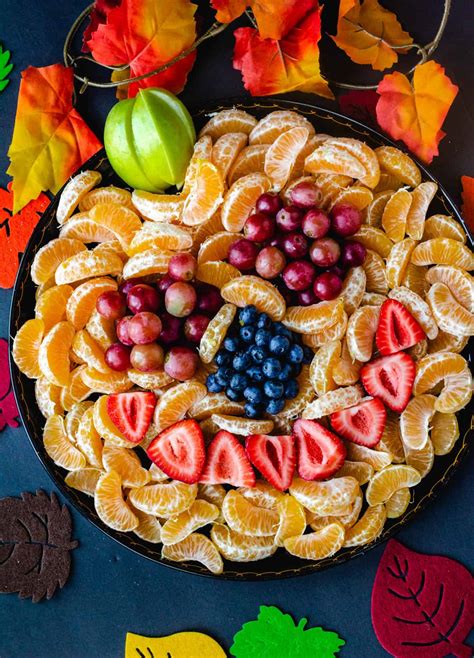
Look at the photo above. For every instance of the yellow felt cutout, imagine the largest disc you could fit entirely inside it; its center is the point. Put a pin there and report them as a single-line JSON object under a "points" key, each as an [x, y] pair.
{"points": [[179, 645]]}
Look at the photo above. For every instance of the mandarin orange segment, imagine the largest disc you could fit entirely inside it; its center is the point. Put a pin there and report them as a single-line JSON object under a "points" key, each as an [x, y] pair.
{"points": [[48, 397], [145, 263], [249, 289], [202, 151], [314, 318], [422, 460], [205, 195], [84, 480], [251, 160], [126, 463], [26, 347], [158, 207], [206, 230], [242, 426], [110, 505], [398, 260], [240, 200], [317, 545], [74, 191], [122, 222], [101, 329], [88, 440], [305, 395], [59, 447], [443, 226], [330, 158], [398, 502], [111, 382], [417, 306], [444, 432], [332, 497], [331, 185], [76, 391], [375, 239], [373, 299], [179, 527], [415, 279], [378, 459], [322, 366], [336, 332], [361, 471], [216, 273], [450, 315], [361, 330], [456, 394], [358, 196], [53, 253], [375, 273], [390, 479], [374, 212], [421, 198], [228, 121], [82, 227], [82, 301], [148, 528], [215, 332], [176, 401], [165, 499], [459, 282], [346, 370], [225, 151], [341, 398], [394, 217], [160, 236], [415, 421], [216, 247], [241, 548], [366, 156], [53, 354], [443, 251], [154, 379], [398, 164], [353, 288], [391, 441], [388, 183], [88, 351], [347, 520], [282, 155], [433, 368], [262, 494], [88, 264], [368, 528], [110, 194], [445, 342], [51, 305], [274, 124], [195, 548], [248, 519]]}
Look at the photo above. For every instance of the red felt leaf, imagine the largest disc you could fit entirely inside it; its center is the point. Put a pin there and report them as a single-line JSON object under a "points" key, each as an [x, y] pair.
{"points": [[8, 409], [97, 16], [468, 201], [360, 105], [422, 605]]}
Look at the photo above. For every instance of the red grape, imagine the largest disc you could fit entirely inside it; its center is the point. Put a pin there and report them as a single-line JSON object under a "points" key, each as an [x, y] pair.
{"points": [[325, 252], [144, 328], [147, 357], [353, 254], [306, 195], [346, 220], [111, 305], [127, 285], [295, 245], [327, 286], [259, 227], [143, 298], [164, 283], [181, 363], [316, 224], [242, 254], [269, 203], [117, 357], [306, 297], [270, 262], [195, 326], [299, 275], [337, 270], [209, 299], [180, 299], [289, 218], [182, 267], [122, 330], [171, 331]]}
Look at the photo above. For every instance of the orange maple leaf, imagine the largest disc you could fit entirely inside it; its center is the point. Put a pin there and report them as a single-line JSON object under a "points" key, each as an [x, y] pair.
{"points": [[468, 201], [146, 34], [270, 67], [414, 112], [366, 33], [50, 138]]}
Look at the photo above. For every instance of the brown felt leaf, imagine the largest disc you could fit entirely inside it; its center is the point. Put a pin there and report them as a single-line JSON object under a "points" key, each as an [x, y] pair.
{"points": [[35, 545]]}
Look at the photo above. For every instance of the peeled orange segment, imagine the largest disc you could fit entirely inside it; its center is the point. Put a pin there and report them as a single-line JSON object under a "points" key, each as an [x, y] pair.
{"points": [[198, 515], [322, 365], [151, 380], [148, 528], [242, 426], [88, 439], [26, 347], [282, 154], [53, 354], [253, 290], [216, 247], [390, 479], [361, 330], [262, 494], [450, 316], [443, 226], [74, 191], [122, 222], [81, 302], [195, 548], [202, 151], [206, 230], [395, 214], [373, 299], [82, 227], [76, 391], [374, 212], [397, 504], [456, 394], [160, 236], [333, 497], [104, 425], [341, 398], [176, 401], [422, 460], [346, 370], [164, 499], [113, 247], [314, 318], [419, 350], [146, 263], [415, 421], [331, 185], [250, 160], [88, 264], [215, 403], [156, 474], [459, 282], [330, 158], [444, 432], [215, 332], [317, 545], [335, 332], [297, 169], [84, 479], [205, 195], [53, 253], [228, 121], [101, 330], [378, 459], [126, 463], [347, 520], [361, 471], [445, 342], [274, 124], [375, 239], [357, 195], [353, 288], [110, 505], [398, 260], [415, 279], [225, 151], [443, 251], [388, 183], [236, 547], [158, 207], [88, 351], [398, 164], [110, 194], [59, 447], [51, 305], [375, 273], [240, 200], [418, 308], [248, 519], [213, 493], [364, 154], [294, 407], [112, 382], [368, 528], [391, 441], [216, 273], [73, 418], [433, 368], [421, 197], [48, 397]]}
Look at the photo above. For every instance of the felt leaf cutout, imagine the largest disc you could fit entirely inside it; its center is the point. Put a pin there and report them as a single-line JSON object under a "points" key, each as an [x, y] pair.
{"points": [[15, 231], [275, 67], [5, 67], [97, 16], [468, 201], [146, 34], [179, 645], [366, 31], [415, 111], [274, 635], [35, 545], [50, 138], [274, 18], [360, 105], [8, 409], [422, 605]]}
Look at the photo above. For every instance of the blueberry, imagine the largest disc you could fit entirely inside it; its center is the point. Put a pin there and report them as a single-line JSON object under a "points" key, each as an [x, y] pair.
{"points": [[247, 333], [275, 406], [255, 373], [296, 369], [233, 395], [286, 372], [238, 382], [262, 338], [213, 385], [252, 410], [248, 315], [241, 361], [271, 368], [223, 375], [264, 321], [307, 354], [253, 394], [257, 353], [273, 390], [223, 358], [291, 389], [280, 330], [295, 354], [231, 343], [279, 345]]}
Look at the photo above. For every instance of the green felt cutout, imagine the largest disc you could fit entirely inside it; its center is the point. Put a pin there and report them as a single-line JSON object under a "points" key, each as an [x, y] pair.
{"points": [[5, 67], [274, 635]]}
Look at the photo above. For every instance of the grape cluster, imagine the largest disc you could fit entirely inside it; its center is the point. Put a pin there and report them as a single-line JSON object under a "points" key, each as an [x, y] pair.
{"points": [[258, 363]]}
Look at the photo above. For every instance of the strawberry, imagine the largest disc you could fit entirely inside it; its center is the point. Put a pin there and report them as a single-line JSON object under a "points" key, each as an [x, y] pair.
{"points": [[179, 451], [390, 378], [397, 328], [363, 424], [132, 413], [274, 457], [227, 462], [320, 452]]}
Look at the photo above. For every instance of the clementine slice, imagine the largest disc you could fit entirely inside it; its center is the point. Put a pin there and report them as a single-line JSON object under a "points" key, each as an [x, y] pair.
{"points": [[361, 330], [322, 366], [364, 154], [181, 526], [81, 227], [110, 194], [216, 273], [59, 447], [444, 432], [422, 460], [274, 124], [202, 151], [317, 545], [158, 207], [240, 200], [451, 316], [156, 235], [368, 528], [122, 222], [146, 263], [165, 499], [394, 217], [397, 504], [249, 289], [341, 398], [84, 480], [375, 239], [242, 426], [175, 403], [88, 264], [74, 191], [314, 318], [205, 196], [353, 289], [47, 259], [415, 421], [195, 548], [241, 548], [26, 347], [48, 397], [398, 260], [110, 505], [390, 479], [53, 354], [228, 121], [215, 332], [398, 164], [248, 519], [443, 226], [282, 155], [88, 439], [225, 151], [82, 300], [333, 497], [421, 198], [251, 160], [443, 251], [375, 273], [459, 282]]}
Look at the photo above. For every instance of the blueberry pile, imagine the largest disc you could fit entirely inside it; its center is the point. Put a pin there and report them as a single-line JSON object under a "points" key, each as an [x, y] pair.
{"points": [[259, 363]]}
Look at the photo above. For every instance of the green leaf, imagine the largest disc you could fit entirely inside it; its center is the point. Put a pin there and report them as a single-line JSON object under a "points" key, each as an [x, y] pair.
{"points": [[274, 635], [5, 67]]}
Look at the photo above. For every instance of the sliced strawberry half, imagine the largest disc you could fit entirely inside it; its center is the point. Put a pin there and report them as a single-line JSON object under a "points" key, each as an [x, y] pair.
{"points": [[320, 452], [274, 457], [227, 462], [397, 328], [390, 378], [132, 413], [363, 424], [179, 451]]}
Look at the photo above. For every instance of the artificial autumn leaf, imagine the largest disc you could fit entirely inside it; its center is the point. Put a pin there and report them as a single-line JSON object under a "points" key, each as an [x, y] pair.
{"points": [[274, 635], [35, 545], [146, 34], [274, 67], [8, 409], [97, 16], [468, 201], [178, 645], [274, 18], [15, 231], [50, 138], [366, 32], [415, 111], [360, 105], [5, 67], [422, 605]]}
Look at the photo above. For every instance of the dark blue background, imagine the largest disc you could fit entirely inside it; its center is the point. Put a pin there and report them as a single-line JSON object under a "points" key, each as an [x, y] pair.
{"points": [[112, 591]]}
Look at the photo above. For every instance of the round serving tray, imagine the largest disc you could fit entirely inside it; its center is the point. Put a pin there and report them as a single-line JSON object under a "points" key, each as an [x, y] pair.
{"points": [[281, 564]]}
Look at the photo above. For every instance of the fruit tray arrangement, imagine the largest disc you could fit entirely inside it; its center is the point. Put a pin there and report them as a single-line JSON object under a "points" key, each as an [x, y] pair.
{"points": [[269, 359]]}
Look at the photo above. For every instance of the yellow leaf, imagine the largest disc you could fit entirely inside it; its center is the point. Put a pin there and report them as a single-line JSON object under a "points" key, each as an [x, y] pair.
{"points": [[179, 645]]}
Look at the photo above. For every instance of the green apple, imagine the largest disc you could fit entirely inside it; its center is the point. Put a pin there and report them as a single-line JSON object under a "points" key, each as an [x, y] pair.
{"points": [[149, 140]]}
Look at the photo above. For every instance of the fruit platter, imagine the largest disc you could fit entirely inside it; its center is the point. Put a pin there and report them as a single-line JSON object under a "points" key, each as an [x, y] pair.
{"points": [[264, 372]]}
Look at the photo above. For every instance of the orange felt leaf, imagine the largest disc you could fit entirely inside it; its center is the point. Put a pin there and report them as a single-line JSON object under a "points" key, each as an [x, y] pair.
{"points": [[50, 138], [366, 33], [270, 67], [274, 17], [15, 231], [468, 201], [145, 34], [414, 112]]}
